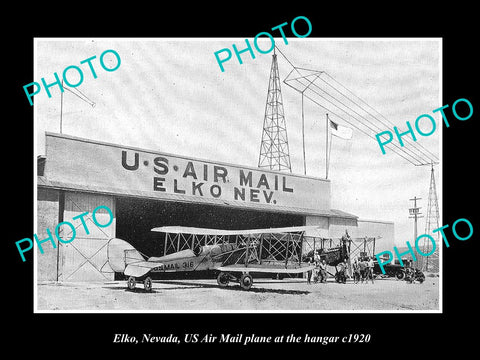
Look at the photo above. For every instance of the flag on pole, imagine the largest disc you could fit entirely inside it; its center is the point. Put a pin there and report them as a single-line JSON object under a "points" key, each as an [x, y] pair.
{"points": [[340, 131]]}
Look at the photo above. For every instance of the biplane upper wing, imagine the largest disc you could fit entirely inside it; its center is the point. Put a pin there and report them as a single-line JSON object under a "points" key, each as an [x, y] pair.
{"points": [[141, 268], [205, 231]]}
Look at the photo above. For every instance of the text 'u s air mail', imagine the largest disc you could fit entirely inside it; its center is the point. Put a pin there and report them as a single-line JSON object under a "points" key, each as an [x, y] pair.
{"points": [[209, 180]]}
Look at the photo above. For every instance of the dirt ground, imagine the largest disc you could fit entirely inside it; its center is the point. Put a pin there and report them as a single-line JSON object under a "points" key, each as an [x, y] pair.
{"points": [[265, 295]]}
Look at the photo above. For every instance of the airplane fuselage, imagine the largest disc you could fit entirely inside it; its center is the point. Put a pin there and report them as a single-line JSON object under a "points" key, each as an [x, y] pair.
{"points": [[185, 264], [210, 257]]}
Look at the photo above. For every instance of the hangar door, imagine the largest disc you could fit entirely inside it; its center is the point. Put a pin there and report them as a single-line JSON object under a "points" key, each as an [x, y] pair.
{"points": [[85, 258], [136, 217]]}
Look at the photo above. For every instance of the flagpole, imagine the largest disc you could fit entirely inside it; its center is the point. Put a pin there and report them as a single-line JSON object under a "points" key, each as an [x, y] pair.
{"points": [[326, 150], [61, 108], [303, 137]]}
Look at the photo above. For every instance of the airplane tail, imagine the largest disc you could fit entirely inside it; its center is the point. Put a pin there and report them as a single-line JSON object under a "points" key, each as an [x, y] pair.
{"points": [[120, 253]]}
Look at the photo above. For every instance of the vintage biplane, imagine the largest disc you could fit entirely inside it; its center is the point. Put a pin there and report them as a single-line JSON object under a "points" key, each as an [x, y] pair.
{"points": [[233, 254], [333, 256]]}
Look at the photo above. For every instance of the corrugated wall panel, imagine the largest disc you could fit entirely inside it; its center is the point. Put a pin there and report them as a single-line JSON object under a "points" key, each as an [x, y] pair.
{"points": [[85, 258], [48, 207]]}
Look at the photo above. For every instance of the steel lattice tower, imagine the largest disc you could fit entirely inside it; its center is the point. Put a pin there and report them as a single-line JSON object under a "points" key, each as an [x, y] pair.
{"points": [[431, 262], [274, 151]]}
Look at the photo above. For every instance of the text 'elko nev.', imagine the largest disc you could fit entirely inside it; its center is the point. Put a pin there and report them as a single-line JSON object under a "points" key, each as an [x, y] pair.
{"points": [[69, 70], [201, 179]]}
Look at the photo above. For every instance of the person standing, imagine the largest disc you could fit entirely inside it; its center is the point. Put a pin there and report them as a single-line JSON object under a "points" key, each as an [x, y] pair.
{"points": [[356, 271], [323, 271], [370, 265], [309, 272], [362, 268], [340, 272]]}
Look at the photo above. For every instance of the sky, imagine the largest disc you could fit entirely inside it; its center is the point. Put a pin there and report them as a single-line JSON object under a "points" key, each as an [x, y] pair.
{"points": [[169, 95]]}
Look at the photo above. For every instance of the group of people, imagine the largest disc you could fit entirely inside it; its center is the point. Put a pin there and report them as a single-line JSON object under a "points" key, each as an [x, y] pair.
{"points": [[362, 270], [319, 273]]}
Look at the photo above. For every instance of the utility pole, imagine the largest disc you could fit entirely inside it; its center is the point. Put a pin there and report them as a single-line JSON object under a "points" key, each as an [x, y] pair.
{"points": [[415, 214], [61, 110], [328, 146], [303, 140], [433, 215]]}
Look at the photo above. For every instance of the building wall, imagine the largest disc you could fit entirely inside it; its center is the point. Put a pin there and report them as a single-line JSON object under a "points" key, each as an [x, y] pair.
{"points": [[48, 204], [85, 257], [321, 222], [382, 231], [89, 165], [338, 226], [333, 228]]}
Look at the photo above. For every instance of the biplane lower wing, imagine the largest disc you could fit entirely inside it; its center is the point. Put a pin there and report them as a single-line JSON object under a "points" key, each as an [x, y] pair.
{"points": [[204, 231], [258, 268], [141, 268]]}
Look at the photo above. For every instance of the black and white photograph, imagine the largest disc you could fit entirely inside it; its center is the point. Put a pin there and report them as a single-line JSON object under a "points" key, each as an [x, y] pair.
{"points": [[262, 187], [225, 180]]}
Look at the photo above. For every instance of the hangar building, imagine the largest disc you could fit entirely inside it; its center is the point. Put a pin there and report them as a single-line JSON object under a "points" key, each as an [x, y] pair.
{"points": [[146, 189]]}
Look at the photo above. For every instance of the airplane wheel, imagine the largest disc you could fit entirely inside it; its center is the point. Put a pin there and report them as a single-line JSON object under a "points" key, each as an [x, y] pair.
{"points": [[246, 281], [222, 279], [147, 283], [131, 283]]}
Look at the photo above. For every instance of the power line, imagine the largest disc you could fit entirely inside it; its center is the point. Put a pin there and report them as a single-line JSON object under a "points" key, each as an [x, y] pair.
{"points": [[391, 123], [285, 57], [414, 153], [366, 133], [415, 160], [419, 154], [376, 128], [406, 149]]}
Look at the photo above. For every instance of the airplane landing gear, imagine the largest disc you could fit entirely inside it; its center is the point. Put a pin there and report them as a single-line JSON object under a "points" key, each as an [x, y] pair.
{"points": [[131, 283], [147, 283], [223, 279], [246, 281]]}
